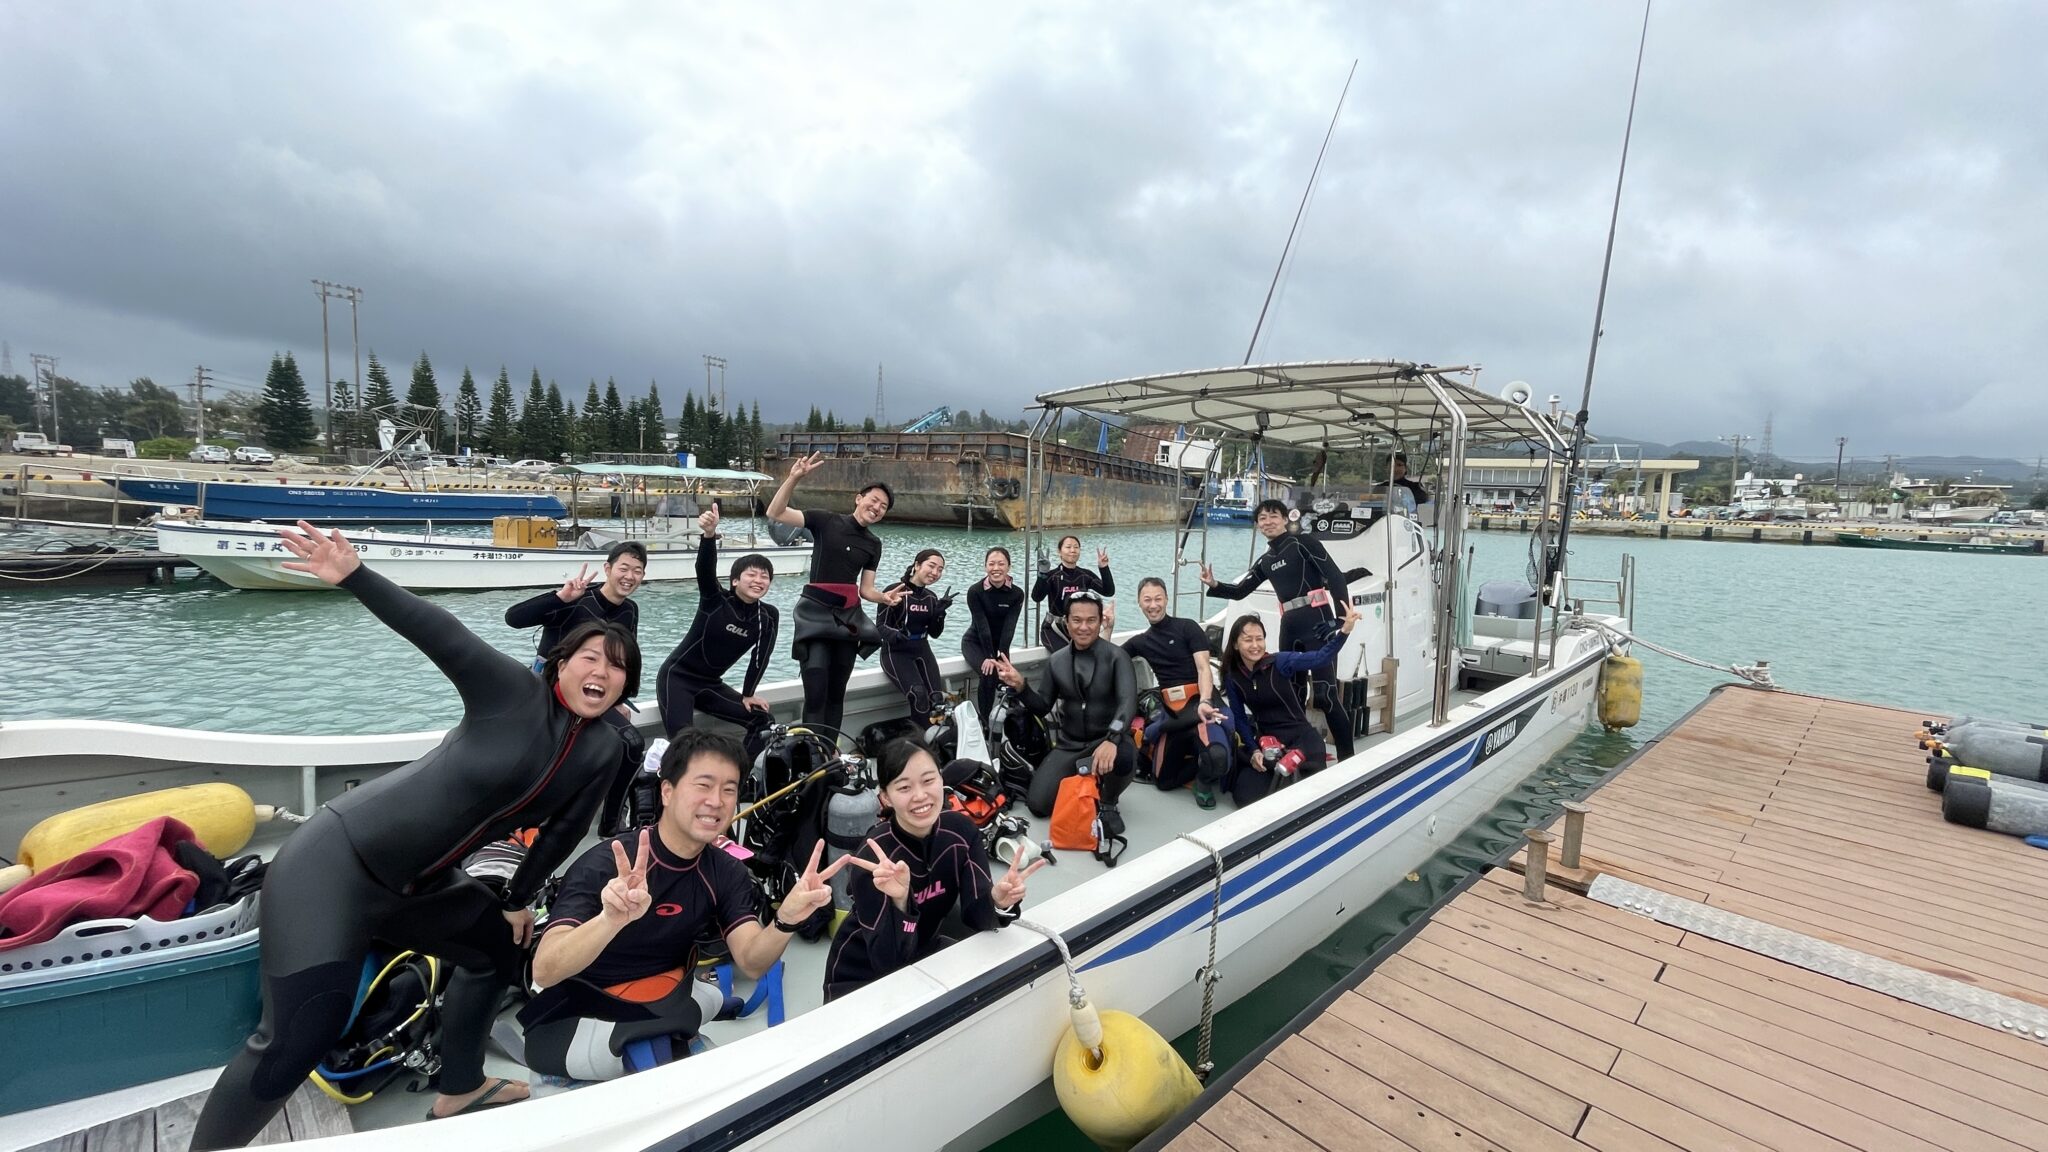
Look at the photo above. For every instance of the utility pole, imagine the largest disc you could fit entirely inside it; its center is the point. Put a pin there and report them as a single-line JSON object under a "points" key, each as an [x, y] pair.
{"points": [[880, 418], [1735, 461], [717, 362], [6, 358], [1841, 442], [199, 382], [45, 387], [326, 290]]}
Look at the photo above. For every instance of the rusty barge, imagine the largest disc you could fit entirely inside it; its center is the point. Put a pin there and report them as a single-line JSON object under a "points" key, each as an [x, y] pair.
{"points": [[978, 478]]}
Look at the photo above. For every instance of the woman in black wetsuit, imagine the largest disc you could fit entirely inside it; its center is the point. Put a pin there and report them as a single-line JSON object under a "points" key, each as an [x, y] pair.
{"points": [[379, 863], [1264, 702], [907, 629], [993, 606], [832, 629], [1057, 585], [921, 862]]}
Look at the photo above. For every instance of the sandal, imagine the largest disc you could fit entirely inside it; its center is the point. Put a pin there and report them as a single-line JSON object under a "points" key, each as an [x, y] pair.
{"points": [[481, 1102]]}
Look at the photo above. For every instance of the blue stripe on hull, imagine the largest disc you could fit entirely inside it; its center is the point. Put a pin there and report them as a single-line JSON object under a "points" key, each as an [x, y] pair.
{"points": [[290, 502]]}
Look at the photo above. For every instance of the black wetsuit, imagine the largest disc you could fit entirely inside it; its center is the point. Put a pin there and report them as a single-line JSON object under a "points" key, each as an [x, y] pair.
{"points": [[832, 629], [907, 630], [378, 864], [992, 627], [573, 1028], [1097, 693], [556, 619], [1264, 702], [1172, 647], [1297, 565], [724, 629], [948, 869], [1058, 585], [1415, 489]]}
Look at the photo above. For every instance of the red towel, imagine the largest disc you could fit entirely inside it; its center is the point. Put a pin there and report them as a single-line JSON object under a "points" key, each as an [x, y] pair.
{"points": [[129, 876]]}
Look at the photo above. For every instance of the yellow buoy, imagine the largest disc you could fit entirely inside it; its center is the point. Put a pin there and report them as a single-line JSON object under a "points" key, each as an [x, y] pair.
{"points": [[1621, 692], [13, 874], [221, 815], [1139, 1082]]}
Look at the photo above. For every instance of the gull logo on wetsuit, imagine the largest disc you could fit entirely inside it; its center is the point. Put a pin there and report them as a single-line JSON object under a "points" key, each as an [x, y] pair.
{"points": [[935, 888], [668, 909], [736, 630]]}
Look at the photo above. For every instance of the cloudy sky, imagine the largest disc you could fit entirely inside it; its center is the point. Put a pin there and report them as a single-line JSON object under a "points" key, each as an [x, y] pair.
{"points": [[1835, 211]]}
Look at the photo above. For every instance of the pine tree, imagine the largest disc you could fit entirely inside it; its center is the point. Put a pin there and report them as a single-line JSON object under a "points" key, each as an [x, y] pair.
{"points": [[636, 426], [425, 394], [558, 423], [378, 393], [757, 444], [614, 419], [815, 422], [572, 433], [831, 421], [285, 413], [501, 431], [653, 420], [469, 411], [690, 429], [347, 420], [590, 426], [533, 419]]}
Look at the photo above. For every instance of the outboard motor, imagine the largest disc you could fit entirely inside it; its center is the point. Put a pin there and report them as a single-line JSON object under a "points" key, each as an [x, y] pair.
{"points": [[1514, 599]]}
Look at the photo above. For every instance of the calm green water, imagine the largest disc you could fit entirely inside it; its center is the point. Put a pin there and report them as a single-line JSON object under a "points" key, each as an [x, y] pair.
{"points": [[1933, 631]]}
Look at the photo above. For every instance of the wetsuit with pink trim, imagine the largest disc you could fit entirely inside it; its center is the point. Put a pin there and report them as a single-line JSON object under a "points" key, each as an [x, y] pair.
{"points": [[948, 871]]}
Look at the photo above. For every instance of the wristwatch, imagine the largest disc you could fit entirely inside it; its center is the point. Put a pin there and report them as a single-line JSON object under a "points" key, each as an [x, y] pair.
{"points": [[776, 922]]}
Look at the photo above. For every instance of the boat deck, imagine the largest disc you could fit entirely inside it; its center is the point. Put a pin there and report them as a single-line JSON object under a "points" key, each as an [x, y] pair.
{"points": [[168, 1127], [1816, 962]]}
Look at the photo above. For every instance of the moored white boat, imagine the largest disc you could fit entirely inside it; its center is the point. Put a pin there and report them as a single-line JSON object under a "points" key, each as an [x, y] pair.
{"points": [[252, 556], [956, 1049]]}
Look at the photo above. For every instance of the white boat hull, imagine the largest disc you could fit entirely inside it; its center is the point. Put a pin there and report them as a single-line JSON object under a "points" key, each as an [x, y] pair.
{"points": [[964, 1039], [244, 556]]}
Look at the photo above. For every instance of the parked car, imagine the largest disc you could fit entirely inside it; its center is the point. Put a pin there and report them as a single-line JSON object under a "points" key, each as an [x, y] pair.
{"points": [[207, 454], [37, 444], [251, 454], [531, 465]]}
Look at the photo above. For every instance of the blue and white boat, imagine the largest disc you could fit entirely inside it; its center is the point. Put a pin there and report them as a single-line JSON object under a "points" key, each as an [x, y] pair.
{"points": [[1461, 712], [284, 503]]}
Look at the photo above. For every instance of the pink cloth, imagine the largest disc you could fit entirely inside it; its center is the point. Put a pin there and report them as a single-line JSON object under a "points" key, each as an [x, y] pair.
{"points": [[129, 876]]}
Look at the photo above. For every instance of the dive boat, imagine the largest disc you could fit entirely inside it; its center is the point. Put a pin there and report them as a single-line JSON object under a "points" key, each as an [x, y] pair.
{"points": [[286, 503], [962, 1041]]}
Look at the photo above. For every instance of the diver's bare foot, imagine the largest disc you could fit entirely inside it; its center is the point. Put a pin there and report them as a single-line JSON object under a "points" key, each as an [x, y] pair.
{"points": [[492, 1092]]}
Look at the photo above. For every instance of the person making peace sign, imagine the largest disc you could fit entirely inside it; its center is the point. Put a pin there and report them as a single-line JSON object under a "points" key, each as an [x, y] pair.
{"points": [[618, 950], [922, 861]]}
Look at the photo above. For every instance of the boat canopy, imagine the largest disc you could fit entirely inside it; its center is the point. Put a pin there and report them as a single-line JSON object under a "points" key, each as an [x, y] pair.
{"points": [[1333, 404], [665, 471]]}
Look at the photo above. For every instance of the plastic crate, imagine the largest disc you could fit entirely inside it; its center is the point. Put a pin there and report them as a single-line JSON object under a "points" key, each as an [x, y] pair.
{"points": [[95, 946], [102, 1028]]}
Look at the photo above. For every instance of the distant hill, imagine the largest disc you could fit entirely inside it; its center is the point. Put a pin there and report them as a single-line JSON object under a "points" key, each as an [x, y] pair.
{"points": [[1999, 470]]}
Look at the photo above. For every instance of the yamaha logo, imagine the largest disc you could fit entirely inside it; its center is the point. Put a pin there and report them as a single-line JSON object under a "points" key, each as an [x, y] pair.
{"points": [[1499, 738]]}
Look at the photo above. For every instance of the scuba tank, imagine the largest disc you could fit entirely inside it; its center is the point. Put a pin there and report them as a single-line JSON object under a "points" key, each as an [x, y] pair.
{"points": [[851, 812], [1019, 742], [2005, 751]]}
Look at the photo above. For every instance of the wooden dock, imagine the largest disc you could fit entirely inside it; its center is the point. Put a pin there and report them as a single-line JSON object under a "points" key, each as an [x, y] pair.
{"points": [[1795, 837], [101, 567], [168, 1128]]}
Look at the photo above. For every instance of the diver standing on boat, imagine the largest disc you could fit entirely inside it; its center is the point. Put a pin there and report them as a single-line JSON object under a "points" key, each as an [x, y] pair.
{"points": [[380, 864], [1095, 688], [832, 629], [732, 621], [922, 862], [1266, 710], [1312, 594], [907, 629], [577, 600], [1057, 585], [993, 607]]}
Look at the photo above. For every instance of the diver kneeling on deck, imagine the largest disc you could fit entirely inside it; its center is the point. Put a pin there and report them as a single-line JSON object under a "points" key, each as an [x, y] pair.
{"points": [[618, 986], [379, 864], [1092, 682], [922, 862], [732, 621], [1267, 711], [1190, 746]]}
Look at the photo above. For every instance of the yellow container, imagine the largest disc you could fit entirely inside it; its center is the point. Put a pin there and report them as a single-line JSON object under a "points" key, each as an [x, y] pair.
{"points": [[1621, 692], [221, 815]]}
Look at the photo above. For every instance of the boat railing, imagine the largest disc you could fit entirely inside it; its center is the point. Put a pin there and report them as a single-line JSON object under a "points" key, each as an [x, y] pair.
{"points": [[1618, 593]]}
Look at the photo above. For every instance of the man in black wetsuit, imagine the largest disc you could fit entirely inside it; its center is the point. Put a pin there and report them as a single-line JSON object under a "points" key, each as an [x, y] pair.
{"points": [[1096, 690], [732, 621], [379, 864], [618, 986], [1178, 651], [611, 602], [1401, 479], [1312, 593]]}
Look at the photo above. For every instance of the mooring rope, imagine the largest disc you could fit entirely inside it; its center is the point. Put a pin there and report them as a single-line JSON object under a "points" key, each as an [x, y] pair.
{"points": [[1757, 674], [1208, 975]]}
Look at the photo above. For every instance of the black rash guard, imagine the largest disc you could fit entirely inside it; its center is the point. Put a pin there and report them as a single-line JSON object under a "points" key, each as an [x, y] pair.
{"points": [[517, 759], [841, 548], [947, 868], [555, 619], [992, 614], [1296, 564], [1171, 647], [1058, 585], [724, 629]]}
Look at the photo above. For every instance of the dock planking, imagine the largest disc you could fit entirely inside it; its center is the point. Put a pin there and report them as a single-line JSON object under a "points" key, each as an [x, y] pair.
{"points": [[1568, 1024], [307, 1115]]}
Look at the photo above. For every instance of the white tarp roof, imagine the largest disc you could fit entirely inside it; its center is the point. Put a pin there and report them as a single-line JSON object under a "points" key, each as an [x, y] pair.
{"points": [[1338, 403]]}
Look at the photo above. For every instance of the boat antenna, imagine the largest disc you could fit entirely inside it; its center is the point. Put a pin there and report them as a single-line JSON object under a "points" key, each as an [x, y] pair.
{"points": [[1578, 443], [1298, 213]]}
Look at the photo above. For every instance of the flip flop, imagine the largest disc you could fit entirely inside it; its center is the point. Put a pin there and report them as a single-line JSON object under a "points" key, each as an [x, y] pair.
{"points": [[480, 1103]]}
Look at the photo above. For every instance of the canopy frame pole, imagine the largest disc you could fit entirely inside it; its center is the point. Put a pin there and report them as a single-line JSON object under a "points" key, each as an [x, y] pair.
{"points": [[1451, 502]]}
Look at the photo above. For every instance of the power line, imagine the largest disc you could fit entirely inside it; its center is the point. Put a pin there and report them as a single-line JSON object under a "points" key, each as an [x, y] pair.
{"points": [[1735, 461], [328, 290], [45, 388]]}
